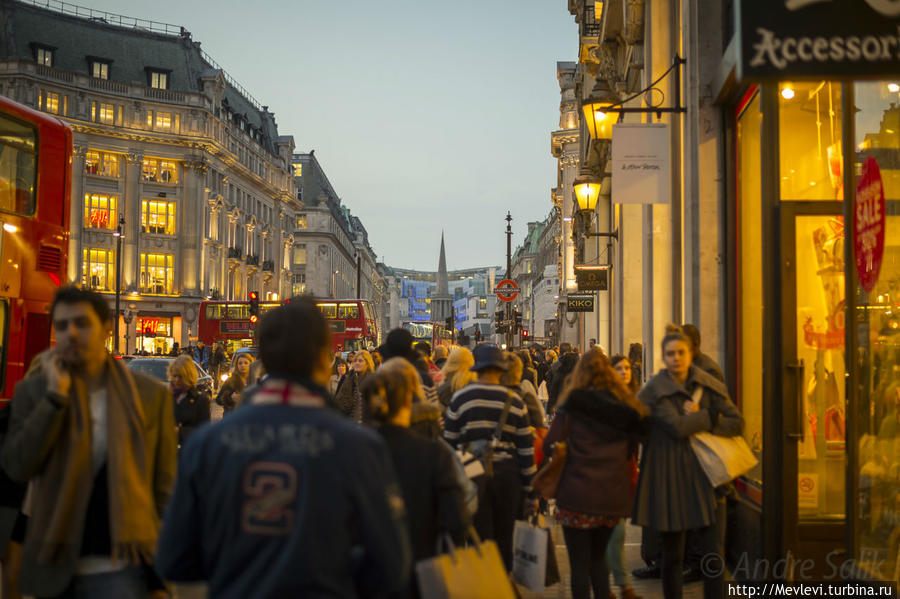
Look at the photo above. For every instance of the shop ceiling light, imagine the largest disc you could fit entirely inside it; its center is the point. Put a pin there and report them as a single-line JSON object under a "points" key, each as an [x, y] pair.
{"points": [[10, 228], [894, 87], [787, 93]]}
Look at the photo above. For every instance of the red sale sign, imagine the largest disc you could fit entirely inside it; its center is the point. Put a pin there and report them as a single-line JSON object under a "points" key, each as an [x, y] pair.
{"points": [[868, 225]]}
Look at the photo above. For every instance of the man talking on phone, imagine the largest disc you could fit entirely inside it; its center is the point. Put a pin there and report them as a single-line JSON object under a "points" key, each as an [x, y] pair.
{"points": [[97, 442]]}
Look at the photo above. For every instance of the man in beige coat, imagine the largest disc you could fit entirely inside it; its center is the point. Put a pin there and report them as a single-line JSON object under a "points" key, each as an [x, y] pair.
{"points": [[97, 443]]}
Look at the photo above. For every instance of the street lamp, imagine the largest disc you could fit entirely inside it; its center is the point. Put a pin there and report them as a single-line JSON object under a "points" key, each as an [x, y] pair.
{"points": [[587, 191], [596, 113], [118, 235], [332, 283]]}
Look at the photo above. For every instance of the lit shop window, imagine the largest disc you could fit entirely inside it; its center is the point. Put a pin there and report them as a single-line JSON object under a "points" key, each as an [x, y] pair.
{"points": [[49, 101], [158, 273], [298, 170], [299, 285], [99, 269], [101, 163], [159, 171], [158, 217], [44, 56], [99, 211], [158, 79], [101, 112], [300, 254], [301, 221], [99, 69]]}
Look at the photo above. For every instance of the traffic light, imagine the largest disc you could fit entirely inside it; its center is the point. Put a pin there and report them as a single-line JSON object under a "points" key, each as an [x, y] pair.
{"points": [[518, 321], [524, 334], [254, 306], [477, 335], [449, 322]]}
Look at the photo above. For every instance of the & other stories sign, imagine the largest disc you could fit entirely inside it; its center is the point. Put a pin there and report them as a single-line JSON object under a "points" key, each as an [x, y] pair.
{"points": [[818, 38], [868, 225]]}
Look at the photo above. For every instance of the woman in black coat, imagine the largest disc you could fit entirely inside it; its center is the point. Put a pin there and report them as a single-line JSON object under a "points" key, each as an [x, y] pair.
{"points": [[191, 404], [434, 497], [598, 418], [673, 494]]}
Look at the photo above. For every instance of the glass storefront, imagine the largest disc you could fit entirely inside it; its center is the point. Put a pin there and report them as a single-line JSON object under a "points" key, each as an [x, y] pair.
{"points": [[877, 331], [750, 276]]}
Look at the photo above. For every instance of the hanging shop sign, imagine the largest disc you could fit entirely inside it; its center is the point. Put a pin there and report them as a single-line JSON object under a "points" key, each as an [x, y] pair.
{"points": [[580, 303], [868, 225], [641, 172], [591, 278], [818, 38]]}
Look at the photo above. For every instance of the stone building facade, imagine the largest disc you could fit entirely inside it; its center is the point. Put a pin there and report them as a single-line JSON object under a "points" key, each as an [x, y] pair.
{"points": [[169, 151]]}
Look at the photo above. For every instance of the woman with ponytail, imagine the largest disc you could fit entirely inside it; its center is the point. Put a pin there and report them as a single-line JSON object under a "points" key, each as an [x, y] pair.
{"points": [[673, 494], [435, 500]]}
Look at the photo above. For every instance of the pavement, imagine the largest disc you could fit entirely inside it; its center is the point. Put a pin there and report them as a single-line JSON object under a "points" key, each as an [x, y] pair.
{"points": [[647, 589]]}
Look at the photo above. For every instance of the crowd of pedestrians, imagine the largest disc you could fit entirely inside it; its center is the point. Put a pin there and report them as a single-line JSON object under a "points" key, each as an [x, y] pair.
{"points": [[332, 476]]}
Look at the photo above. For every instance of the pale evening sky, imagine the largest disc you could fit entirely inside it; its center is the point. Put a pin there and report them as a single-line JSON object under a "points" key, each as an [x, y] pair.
{"points": [[425, 115]]}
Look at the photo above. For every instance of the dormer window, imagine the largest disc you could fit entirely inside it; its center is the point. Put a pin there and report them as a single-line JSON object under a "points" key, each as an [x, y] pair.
{"points": [[99, 68], [43, 54], [158, 78]]}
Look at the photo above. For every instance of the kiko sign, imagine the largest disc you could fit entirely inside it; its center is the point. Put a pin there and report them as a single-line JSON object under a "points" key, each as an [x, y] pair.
{"points": [[792, 39]]}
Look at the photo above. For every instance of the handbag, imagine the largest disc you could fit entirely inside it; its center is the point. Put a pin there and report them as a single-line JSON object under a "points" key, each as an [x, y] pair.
{"points": [[474, 572], [546, 480], [722, 459], [483, 449]]}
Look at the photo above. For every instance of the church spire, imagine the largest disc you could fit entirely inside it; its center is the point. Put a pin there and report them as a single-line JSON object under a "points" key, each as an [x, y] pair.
{"points": [[443, 285]]}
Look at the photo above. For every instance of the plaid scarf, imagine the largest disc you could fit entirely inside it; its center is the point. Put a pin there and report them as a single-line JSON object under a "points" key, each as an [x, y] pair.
{"points": [[62, 491]]}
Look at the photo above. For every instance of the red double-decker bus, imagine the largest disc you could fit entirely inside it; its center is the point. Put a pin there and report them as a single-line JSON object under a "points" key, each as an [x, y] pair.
{"points": [[435, 333], [35, 183], [352, 323]]}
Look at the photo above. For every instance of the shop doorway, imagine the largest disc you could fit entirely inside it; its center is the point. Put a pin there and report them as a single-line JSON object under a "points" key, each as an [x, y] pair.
{"points": [[813, 391]]}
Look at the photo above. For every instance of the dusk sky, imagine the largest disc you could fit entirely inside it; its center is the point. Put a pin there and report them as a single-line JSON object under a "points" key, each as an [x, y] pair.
{"points": [[424, 115]]}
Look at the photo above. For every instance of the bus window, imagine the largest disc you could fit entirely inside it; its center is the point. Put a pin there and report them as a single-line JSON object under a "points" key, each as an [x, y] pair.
{"points": [[238, 311], [353, 345], [329, 311], [348, 311], [18, 166], [367, 311], [4, 338], [215, 311]]}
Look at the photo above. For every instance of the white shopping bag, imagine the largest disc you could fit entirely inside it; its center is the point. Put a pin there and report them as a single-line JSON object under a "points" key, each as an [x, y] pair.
{"points": [[530, 556]]}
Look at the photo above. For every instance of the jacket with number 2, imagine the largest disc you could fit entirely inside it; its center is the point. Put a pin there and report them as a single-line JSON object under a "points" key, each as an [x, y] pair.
{"points": [[673, 493]]}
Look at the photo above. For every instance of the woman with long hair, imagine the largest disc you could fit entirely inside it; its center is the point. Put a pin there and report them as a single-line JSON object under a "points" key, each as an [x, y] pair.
{"points": [[191, 404], [673, 493], [348, 397], [615, 551], [338, 370], [512, 379], [597, 417], [433, 497], [456, 374], [229, 396]]}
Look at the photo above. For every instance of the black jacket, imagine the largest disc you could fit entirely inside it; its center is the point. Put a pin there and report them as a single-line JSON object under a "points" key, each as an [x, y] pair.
{"points": [[191, 411], [435, 503]]}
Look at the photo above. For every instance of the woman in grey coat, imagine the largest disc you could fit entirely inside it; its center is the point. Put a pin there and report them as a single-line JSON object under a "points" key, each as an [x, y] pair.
{"points": [[673, 494]]}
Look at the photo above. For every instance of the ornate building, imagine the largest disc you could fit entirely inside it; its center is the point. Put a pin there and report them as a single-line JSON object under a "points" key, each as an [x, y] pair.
{"points": [[170, 153]]}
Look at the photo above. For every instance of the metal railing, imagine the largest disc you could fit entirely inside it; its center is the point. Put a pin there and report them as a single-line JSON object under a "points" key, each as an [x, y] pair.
{"points": [[109, 18]]}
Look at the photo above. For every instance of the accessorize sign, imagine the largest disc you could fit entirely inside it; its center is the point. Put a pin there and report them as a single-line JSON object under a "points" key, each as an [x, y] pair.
{"points": [[818, 38], [868, 224], [641, 171]]}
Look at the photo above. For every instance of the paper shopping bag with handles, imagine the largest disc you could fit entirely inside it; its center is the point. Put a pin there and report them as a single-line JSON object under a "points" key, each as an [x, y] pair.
{"points": [[723, 459], [530, 555], [474, 572]]}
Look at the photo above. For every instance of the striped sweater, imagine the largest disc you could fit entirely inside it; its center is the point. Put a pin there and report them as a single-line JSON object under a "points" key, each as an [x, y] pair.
{"points": [[473, 414]]}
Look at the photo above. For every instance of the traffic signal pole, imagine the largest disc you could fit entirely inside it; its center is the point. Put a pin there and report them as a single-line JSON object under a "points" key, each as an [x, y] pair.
{"points": [[509, 330]]}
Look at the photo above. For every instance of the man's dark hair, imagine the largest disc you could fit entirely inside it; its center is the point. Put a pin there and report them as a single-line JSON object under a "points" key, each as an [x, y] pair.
{"points": [[693, 334], [424, 348], [292, 337], [70, 294], [565, 348]]}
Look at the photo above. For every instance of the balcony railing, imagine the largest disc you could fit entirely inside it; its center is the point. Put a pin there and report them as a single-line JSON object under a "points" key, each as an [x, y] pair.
{"points": [[268, 266], [252, 260], [235, 253]]}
